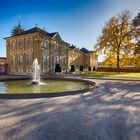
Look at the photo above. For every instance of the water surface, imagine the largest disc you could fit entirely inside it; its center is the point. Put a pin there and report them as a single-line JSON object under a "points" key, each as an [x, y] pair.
{"points": [[46, 86]]}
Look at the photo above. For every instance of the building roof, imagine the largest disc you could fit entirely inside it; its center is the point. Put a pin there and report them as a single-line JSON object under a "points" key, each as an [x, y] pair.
{"points": [[2, 57], [33, 30], [72, 47], [36, 29], [52, 34], [84, 50]]}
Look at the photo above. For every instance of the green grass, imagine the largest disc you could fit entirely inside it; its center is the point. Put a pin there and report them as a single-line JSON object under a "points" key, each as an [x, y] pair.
{"points": [[112, 74]]}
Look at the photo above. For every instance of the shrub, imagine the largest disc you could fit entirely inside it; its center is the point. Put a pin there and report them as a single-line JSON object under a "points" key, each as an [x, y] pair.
{"points": [[72, 68], [94, 68], [57, 68], [89, 68], [81, 68]]}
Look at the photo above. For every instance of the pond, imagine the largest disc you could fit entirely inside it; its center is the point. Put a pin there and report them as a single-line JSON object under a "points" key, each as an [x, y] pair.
{"points": [[45, 86]]}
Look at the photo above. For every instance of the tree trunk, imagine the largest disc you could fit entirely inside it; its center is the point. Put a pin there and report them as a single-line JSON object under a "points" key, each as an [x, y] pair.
{"points": [[118, 59], [118, 63]]}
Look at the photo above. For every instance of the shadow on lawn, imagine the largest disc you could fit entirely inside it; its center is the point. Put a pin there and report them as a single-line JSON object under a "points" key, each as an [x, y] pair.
{"points": [[111, 112]]}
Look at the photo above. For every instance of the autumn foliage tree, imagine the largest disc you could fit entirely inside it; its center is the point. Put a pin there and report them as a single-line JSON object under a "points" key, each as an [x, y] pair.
{"points": [[116, 38], [136, 33]]}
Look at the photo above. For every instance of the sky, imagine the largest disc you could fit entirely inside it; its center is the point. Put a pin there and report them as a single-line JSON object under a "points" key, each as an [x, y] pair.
{"points": [[78, 22]]}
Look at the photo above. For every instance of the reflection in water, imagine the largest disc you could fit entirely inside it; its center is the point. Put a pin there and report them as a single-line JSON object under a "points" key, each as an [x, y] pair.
{"points": [[3, 87], [36, 89]]}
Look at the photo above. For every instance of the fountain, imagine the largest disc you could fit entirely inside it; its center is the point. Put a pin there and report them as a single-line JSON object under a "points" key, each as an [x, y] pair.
{"points": [[36, 73], [48, 86]]}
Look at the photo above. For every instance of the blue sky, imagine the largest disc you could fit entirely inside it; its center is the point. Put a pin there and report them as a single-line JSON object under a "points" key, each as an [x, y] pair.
{"points": [[79, 22]]}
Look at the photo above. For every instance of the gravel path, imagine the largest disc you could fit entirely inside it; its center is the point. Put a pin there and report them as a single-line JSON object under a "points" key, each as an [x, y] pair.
{"points": [[110, 112]]}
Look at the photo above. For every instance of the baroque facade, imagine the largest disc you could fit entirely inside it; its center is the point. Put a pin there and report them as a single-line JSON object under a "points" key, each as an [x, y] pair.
{"points": [[82, 57], [48, 48]]}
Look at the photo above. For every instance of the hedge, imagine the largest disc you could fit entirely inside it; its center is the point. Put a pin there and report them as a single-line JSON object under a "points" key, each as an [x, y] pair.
{"points": [[122, 69]]}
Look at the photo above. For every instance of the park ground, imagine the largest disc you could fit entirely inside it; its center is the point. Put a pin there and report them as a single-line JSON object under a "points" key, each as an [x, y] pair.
{"points": [[109, 112], [112, 74]]}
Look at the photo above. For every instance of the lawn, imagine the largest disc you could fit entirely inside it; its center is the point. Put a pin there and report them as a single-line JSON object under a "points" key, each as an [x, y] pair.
{"points": [[112, 74]]}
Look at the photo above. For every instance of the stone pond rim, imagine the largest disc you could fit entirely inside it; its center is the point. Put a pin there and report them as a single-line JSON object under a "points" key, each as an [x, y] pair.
{"points": [[48, 95]]}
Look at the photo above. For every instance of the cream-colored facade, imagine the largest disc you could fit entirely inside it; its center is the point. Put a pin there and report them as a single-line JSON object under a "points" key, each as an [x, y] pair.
{"points": [[48, 48], [75, 57], [82, 57]]}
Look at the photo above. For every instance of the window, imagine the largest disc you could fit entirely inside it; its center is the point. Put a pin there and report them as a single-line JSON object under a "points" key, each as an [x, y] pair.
{"points": [[56, 47], [42, 44], [13, 44], [28, 60], [46, 60], [56, 57], [46, 57], [20, 59], [20, 43], [64, 61], [45, 44], [64, 57], [28, 43], [63, 51], [12, 60]]}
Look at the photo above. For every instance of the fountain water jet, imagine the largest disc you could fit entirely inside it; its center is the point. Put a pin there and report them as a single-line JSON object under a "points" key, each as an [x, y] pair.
{"points": [[36, 73]]}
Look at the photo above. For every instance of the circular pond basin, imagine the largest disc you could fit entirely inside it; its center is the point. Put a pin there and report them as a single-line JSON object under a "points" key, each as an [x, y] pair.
{"points": [[45, 86]]}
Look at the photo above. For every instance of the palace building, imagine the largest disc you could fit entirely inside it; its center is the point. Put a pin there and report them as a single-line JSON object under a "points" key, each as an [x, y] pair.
{"points": [[48, 48], [2, 65]]}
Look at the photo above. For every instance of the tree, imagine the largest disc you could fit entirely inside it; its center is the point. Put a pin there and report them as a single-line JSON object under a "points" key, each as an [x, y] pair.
{"points": [[17, 30], [116, 38], [81, 68], [136, 24], [124, 61], [58, 68], [94, 68], [72, 68], [89, 68]]}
